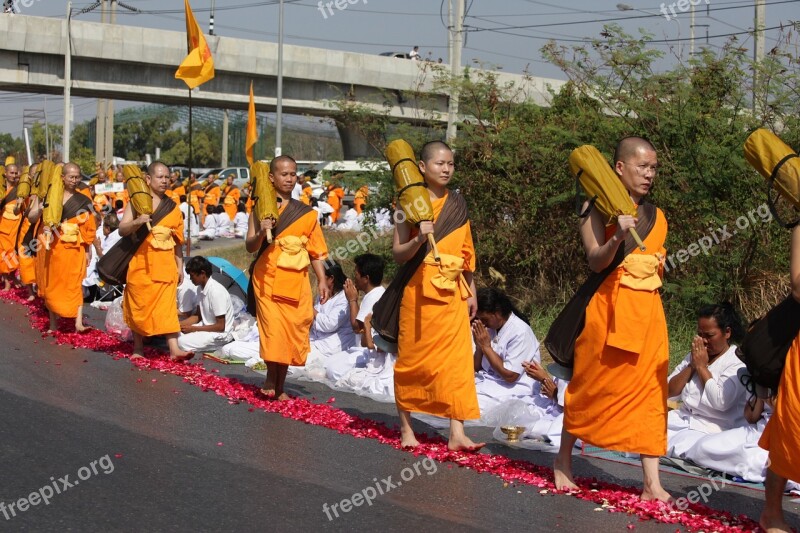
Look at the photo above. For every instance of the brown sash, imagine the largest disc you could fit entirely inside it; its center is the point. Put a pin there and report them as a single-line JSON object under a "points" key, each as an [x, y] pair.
{"points": [[386, 313], [113, 266], [560, 339], [77, 204], [10, 197], [293, 212]]}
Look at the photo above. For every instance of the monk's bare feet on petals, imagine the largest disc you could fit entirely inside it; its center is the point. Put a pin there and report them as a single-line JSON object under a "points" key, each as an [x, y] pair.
{"points": [[31, 298], [180, 357], [408, 440], [464, 445], [773, 524], [136, 356], [658, 494], [81, 328], [283, 397], [563, 479]]}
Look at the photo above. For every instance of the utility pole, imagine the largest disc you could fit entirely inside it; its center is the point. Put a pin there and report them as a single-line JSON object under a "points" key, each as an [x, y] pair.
{"points": [[67, 82], [104, 130], [279, 103], [211, 19], [691, 35], [758, 53], [457, 41], [225, 119]]}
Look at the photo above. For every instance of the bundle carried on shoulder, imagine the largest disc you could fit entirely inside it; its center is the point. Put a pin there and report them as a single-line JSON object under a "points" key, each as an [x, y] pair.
{"points": [[604, 188], [53, 205], [769, 338], [780, 166], [412, 194], [265, 197], [141, 197]]}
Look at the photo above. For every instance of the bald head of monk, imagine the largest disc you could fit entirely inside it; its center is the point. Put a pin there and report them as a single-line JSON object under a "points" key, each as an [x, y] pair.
{"points": [[71, 174], [158, 177], [12, 174], [636, 163]]}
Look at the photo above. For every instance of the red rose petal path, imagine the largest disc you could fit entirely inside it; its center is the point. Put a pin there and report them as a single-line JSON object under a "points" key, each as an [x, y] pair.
{"points": [[613, 498]]}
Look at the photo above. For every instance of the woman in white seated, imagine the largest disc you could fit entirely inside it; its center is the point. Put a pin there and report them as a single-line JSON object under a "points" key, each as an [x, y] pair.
{"points": [[331, 331], [707, 382], [504, 341], [240, 221]]}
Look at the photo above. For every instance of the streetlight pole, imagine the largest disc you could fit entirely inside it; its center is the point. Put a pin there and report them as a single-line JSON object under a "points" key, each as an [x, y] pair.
{"points": [[457, 40], [279, 103], [67, 82]]}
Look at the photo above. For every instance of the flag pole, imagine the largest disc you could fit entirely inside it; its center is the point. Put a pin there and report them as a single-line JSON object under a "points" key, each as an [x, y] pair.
{"points": [[190, 211]]}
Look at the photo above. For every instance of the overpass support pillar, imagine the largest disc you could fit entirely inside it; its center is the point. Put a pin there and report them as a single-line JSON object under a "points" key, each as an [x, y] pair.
{"points": [[354, 145]]}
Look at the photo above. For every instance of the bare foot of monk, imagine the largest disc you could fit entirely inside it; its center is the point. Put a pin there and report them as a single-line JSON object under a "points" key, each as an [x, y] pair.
{"points": [[773, 524], [408, 440], [181, 356], [268, 389], [464, 444], [136, 356], [563, 477], [656, 494], [283, 397], [31, 298], [80, 328]]}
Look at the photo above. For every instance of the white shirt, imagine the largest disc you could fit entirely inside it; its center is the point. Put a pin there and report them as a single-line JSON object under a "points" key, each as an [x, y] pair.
{"points": [[187, 211], [719, 405], [514, 343], [106, 242], [187, 296], [240, 222], [331, 331], [210, 222], [214, 300], [223, 223], [367, 303], [297, 191]]}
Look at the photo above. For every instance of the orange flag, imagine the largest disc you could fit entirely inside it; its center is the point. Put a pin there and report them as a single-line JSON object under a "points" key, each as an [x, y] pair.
{"points": [[252, 133], [198, 67]]}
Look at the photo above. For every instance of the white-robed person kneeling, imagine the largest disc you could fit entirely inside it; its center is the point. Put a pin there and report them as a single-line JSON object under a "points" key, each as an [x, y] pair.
{"points": [[504, 341], [363, 368], [707, 382], [331, 331], [210, 327]]}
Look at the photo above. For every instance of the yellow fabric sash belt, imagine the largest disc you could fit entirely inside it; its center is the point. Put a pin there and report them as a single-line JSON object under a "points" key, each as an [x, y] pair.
{"points": [[70, 233], [8, 212], [294, 255], [450, 276], [162, 238], [640, 272]]}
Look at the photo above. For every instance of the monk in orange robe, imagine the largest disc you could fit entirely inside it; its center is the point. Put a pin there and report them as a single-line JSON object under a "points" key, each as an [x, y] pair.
{"points": [[305, 195], [9, 226], [617, 398], [434, 372], [155, 271], [360, 199], [196, 195], [781, 438], [210, 196], [230, 198], [123, 195], [63, 265], [27, 267], [335, 197], [280, 281]]}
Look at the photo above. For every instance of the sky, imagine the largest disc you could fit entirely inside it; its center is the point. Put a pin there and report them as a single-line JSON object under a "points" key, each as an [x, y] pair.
{"points": [[502, 34]]}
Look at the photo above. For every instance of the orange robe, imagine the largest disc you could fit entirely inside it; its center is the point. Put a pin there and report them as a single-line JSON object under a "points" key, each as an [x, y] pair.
{"points": [[64, 266], [9, 226], [617, 398], [434, 372], [284, 308], [149, 305], [230, 201], [781, 437], [210, 197], [305, 197], [121, 196], [196, 200], [360, 200], [27, 267], [335, 200]]}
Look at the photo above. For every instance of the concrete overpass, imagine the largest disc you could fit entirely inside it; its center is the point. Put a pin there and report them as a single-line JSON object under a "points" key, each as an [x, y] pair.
{"points": [[138, 64]]}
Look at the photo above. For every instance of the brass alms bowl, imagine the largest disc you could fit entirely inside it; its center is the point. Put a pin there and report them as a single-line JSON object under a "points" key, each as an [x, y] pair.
{"points": [[512, 432]]}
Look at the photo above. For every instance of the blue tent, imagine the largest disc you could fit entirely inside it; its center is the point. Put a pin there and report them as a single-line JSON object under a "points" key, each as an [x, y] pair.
{"points": [[230, 277]]}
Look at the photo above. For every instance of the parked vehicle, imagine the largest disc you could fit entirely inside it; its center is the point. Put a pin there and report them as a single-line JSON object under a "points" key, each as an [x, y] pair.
{"points": [[241, 175]]}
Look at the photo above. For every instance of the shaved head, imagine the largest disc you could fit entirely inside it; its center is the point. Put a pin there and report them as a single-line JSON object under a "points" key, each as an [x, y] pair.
{"points": [[273, 165], [628, 146], [155, 165], [70, 168], [429, 150]]}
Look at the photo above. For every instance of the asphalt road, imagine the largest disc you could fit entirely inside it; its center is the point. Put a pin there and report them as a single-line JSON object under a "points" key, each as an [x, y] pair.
{"points": [[146, 451]]}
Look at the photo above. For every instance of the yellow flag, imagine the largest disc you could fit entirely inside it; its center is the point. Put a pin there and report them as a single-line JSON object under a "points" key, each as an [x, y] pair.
{"points": [[198, 67], [252, 133]]}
